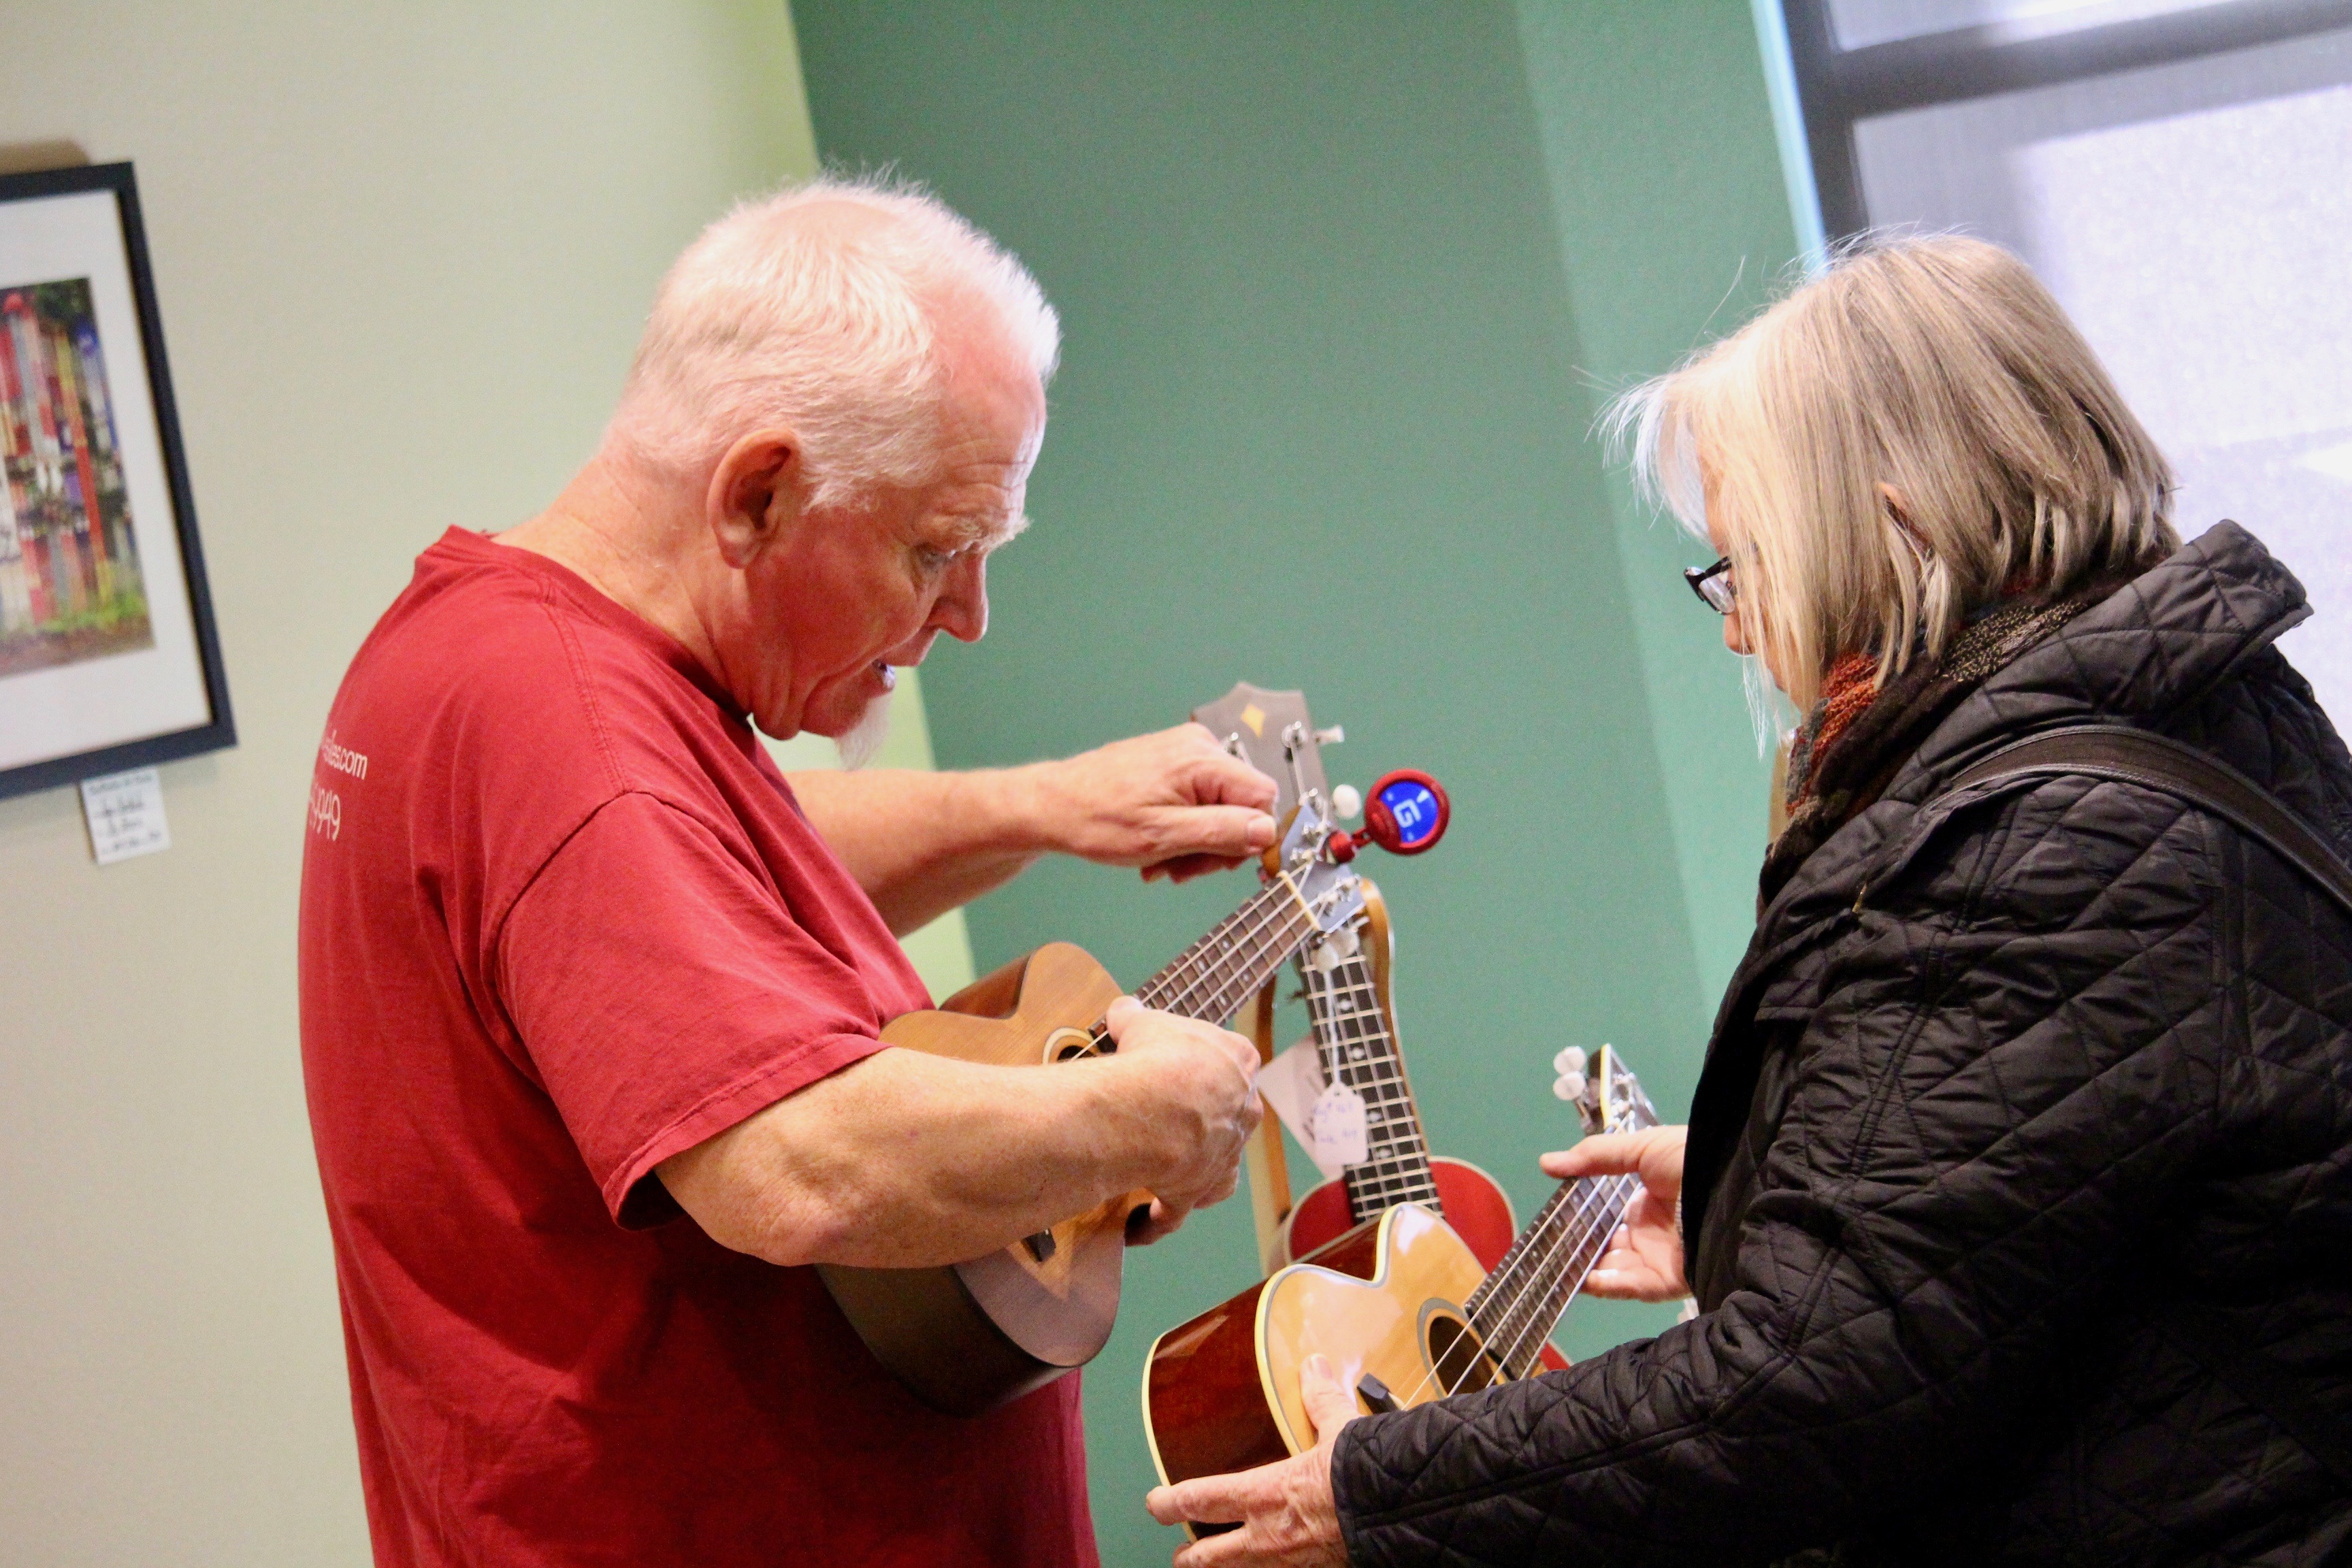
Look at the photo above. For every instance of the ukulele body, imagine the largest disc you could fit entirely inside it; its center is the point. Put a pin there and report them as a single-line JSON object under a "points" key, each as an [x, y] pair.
{"points": [[1221, 1392], [968, 1337], [1475, 1206]]}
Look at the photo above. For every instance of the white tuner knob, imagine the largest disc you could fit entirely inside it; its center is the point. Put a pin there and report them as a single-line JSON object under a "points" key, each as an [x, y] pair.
{"points": [[1335, 735], [1347, 801], [1570, 1060], [1568, 1086]]}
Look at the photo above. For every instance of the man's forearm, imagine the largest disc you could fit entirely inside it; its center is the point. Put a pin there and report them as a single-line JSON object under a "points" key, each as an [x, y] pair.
{"points": [[922, 844], [907, 1160]]}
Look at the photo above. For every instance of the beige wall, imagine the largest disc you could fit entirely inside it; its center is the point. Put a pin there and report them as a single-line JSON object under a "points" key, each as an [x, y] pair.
{"points": [[402, 252]]}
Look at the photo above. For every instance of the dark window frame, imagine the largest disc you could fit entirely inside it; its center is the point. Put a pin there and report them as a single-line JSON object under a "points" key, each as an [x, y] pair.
{"points": [[1836, 87]]}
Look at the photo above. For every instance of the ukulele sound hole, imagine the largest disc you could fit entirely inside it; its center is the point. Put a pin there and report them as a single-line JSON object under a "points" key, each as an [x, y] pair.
{"points": [[1069, 1045], [1462, 1362]]}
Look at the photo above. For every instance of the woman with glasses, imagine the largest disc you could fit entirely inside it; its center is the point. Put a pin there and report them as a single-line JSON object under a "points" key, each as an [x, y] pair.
{"points": [[2017, 1194]]}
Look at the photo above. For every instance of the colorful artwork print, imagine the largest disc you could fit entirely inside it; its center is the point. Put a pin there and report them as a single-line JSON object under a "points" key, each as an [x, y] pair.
{"points": [[71, 587]]}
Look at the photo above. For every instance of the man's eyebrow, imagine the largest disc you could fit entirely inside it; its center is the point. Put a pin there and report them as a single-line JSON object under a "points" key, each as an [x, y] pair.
{"points": [[974, 532]]}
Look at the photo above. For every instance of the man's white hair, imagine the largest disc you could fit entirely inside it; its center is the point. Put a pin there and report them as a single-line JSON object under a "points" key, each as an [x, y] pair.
{"points": [[783, 314]]}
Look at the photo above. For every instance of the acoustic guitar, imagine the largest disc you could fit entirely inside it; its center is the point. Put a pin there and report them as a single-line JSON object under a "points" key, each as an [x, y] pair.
{"points": [[970, 1336], [1401, 1306]]}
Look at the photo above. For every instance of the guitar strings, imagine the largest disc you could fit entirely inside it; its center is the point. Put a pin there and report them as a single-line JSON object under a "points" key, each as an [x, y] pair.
{"points": [[1569, 1279], [1471, 1308]]}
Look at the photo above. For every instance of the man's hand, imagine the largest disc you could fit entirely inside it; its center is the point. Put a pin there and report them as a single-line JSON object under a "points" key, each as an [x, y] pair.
{"points": [[1207, 1080], [1644, 1260], [1288, 1517], [1175, 804]]}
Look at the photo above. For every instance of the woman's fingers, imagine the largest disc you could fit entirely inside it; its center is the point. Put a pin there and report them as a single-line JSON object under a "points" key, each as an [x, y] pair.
{"points": [[1602, 1155], [1329, 1404]]}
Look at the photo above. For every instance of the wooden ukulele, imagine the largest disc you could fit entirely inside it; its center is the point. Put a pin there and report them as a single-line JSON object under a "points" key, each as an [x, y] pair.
{"points": [[1401, 1306], [1351, 1005], [966, 1337]]}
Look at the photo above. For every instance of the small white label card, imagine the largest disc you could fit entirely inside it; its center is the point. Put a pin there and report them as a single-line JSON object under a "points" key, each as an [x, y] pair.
{"points": [[125, 812], [1341, 1135]]}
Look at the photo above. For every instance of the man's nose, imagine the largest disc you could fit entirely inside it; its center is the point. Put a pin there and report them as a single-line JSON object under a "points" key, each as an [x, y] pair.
{"points": [[962, 608]]}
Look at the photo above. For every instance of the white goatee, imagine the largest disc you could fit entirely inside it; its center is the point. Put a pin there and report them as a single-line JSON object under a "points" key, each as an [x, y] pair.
{"points": [[863, 741]]}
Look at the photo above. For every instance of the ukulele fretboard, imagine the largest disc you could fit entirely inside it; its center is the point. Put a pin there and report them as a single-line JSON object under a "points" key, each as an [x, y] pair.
{"points": [[1357, 1050], [1525, 1293], [1211, 979]]}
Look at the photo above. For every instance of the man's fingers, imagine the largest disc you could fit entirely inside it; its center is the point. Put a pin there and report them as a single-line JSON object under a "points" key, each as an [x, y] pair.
{"points": [[1225, 777], [1121, 1016], [1229, 831], [1184, 868]]}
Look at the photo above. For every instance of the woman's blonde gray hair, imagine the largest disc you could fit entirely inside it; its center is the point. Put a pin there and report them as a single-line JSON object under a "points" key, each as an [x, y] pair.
{"points": [[1899, 442], [817, 308]]}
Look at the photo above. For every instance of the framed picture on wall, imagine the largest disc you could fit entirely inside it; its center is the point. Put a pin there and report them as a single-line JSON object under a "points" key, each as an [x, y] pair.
{"points": [[108, 655]]}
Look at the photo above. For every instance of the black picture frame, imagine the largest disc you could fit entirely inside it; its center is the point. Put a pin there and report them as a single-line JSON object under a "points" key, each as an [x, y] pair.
{"points": [[198, 636]]}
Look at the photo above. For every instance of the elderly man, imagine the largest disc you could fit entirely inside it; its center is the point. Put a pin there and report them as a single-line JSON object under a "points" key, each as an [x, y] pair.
{"points": [[590, 997]]}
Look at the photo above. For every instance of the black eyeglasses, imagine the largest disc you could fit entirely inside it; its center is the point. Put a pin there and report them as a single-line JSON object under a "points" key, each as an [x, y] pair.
{"points": [[1712, 585]]}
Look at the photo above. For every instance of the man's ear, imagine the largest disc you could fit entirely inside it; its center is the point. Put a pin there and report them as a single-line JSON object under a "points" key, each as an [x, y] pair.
{"points": [[754, 500]]}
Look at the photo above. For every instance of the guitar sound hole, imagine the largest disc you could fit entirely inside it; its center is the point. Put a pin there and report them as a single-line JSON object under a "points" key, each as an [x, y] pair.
{"points": [[1462, 1362], [1069, 1054]]}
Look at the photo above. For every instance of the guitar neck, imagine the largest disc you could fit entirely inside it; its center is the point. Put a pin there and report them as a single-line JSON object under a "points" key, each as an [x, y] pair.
{"points": [[1359, 1050], [1212, 978], [1525, 1293]]}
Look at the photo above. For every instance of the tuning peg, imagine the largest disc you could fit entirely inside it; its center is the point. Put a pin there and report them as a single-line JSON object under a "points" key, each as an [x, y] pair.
{"points": [[1333, 736], [1347, 801], [1568, 1086], [1570, 1060]]}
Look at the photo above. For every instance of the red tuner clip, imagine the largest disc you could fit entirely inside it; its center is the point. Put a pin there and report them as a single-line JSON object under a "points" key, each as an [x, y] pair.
{"points": [[1405, 814]]}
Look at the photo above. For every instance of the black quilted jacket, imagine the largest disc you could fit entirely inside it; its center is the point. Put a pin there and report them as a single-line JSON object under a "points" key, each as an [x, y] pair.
{"points": [[2002, 1087]]}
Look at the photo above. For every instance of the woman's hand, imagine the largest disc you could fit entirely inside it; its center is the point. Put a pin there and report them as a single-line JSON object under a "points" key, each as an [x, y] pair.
{"points": [[1644, 1259], [1289, 1517]]}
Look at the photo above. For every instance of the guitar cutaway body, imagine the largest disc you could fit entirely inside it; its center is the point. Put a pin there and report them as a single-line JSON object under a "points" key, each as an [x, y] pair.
{"points": [[1383, 1303], [1475, 1206], [968, 1337]]}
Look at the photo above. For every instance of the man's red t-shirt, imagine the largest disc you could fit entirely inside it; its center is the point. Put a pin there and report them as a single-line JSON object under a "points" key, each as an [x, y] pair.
{"points": [[561, 920]]}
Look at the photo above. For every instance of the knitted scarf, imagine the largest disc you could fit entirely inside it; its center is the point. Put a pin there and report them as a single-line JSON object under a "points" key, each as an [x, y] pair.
{"points": [[1850, 747]]}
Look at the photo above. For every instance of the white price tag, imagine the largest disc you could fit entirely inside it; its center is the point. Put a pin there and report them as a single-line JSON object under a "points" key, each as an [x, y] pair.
{"points": [[1340, 1133], [125, 814]]}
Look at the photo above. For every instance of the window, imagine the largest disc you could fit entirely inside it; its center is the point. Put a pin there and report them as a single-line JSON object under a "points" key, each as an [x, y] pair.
{"points": [[2175, 173]]}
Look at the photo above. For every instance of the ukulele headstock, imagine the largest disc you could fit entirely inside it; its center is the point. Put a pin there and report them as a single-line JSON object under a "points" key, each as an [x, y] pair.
{"points": [[1272, 731], [1327, 884], [1607, 1096]]}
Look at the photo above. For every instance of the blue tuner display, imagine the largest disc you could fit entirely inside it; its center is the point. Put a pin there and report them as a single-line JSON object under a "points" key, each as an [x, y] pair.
{"points": [[1415, 811], [1408, 812]]}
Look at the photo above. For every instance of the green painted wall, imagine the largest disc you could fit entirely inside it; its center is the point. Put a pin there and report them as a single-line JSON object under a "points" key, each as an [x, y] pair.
{"points": [[1343, 287]]}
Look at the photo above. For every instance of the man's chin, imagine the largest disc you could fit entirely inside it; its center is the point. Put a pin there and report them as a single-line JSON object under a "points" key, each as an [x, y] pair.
{"points": [[862, 741]]}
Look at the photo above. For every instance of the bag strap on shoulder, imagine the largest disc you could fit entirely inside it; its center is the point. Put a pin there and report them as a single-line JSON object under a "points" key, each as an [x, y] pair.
{"points": [[2156, 762], [2135, 756]]}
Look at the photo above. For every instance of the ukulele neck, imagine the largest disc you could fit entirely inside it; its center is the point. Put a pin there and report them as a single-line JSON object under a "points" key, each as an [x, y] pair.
{"points": [[1525, 1293], [1211, 979], [1358, 1051]]}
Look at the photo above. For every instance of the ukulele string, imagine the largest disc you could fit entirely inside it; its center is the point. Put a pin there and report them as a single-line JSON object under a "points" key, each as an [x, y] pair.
{"points": [[1236, 945], [1196, 962], [1574, 1275], [1372, 1184], [1545, 1253], [1524, 1283]]}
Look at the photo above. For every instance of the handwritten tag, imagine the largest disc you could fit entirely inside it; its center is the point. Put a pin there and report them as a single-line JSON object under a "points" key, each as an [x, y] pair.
{"points": [[125, 814], [1341, 1134]]}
